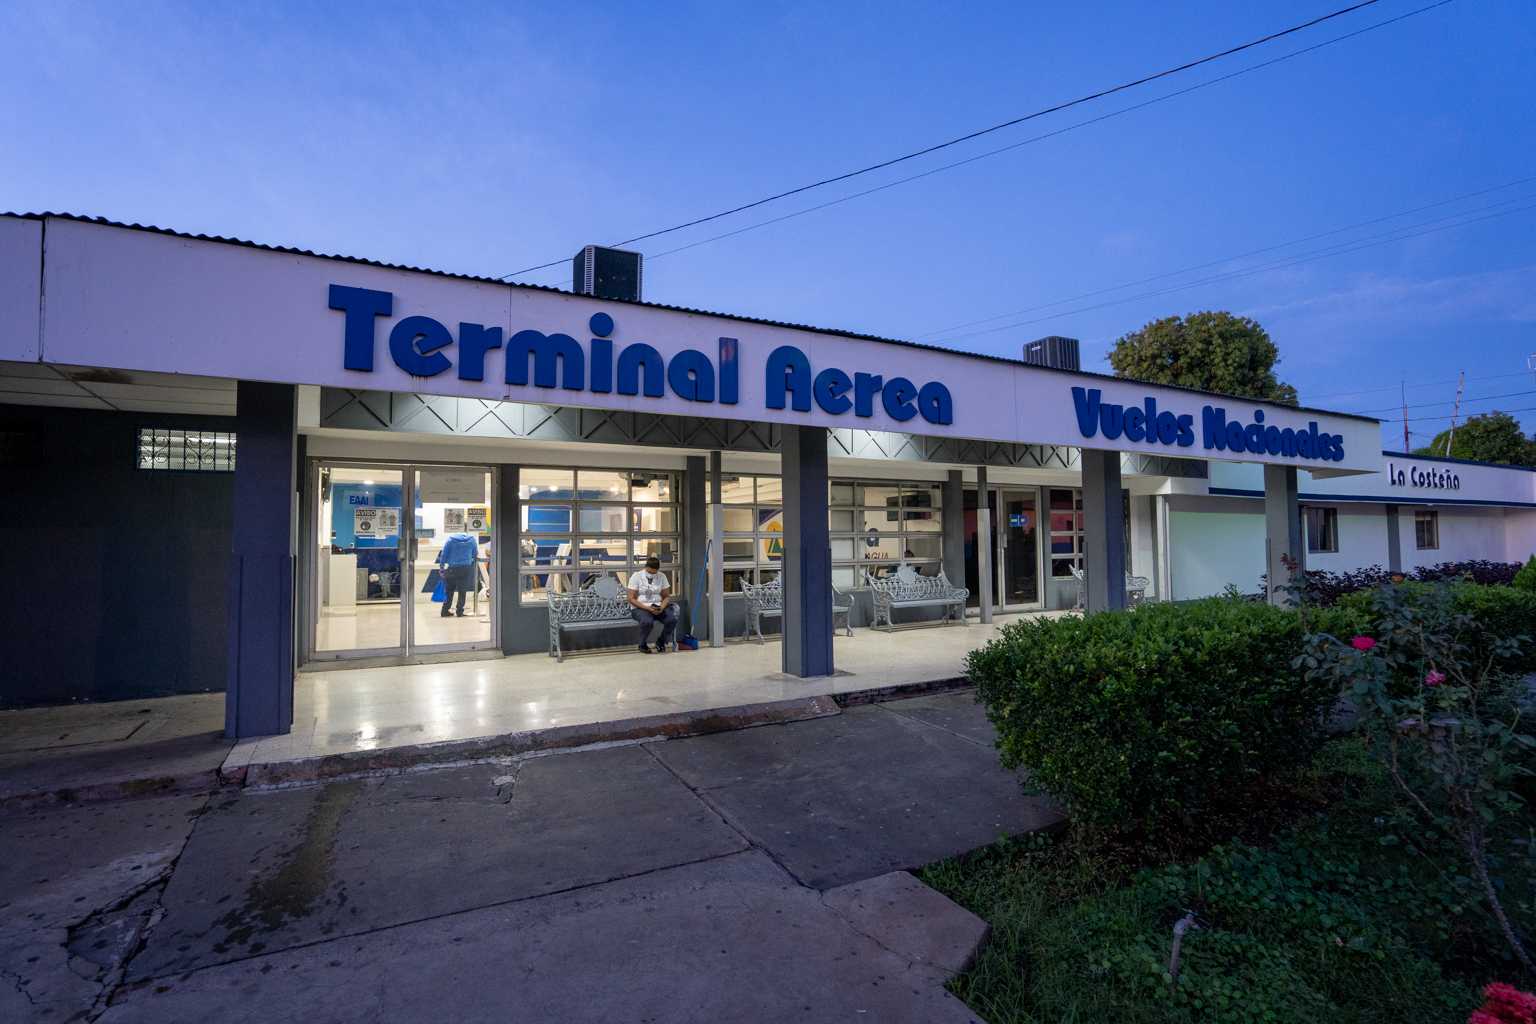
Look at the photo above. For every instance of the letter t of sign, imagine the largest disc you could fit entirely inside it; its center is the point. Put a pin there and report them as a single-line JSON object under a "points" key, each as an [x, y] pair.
{"points": [[361, 306]]}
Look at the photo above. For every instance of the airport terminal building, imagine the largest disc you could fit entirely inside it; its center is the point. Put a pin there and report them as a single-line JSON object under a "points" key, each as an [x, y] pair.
{"points": [[233, 465]]}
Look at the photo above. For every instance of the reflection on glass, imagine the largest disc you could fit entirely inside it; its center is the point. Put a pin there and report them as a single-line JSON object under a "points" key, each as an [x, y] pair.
{"points": [[652, 487], [607, 552], [546, 518], [655, 520], [603, 518], [741, 549], [840, 492], [840, 521], [769, 489], [602, 485], [533, 482], [664, 548], [737, 520], [736, 490], [876, 494], [842, 549], [921, 547]]}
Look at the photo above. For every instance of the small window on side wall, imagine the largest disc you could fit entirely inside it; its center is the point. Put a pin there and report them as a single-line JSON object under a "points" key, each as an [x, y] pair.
{"points": [[1322, 529], [1426, 530]]}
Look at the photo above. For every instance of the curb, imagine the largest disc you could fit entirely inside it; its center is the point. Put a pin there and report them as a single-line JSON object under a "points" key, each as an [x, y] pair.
{"points": [[191, 782], [566, 737], [881, 694]]}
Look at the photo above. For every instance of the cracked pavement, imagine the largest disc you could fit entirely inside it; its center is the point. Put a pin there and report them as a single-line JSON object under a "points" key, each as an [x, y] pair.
{"points": [[752, 875]]}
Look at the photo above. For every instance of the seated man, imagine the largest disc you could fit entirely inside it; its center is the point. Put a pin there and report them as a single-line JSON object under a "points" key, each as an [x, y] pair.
{"points": [[650, 598]]}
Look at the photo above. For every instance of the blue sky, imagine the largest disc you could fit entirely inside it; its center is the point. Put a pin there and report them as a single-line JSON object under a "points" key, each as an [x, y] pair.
{"points": [[485, 138]]}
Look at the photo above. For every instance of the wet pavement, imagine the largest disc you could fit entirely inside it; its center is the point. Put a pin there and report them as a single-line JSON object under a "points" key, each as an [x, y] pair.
{"points": [[695, 879]]}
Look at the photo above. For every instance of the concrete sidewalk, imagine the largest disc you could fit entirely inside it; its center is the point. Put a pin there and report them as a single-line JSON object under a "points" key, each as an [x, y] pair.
{"points": [[745, 875]]}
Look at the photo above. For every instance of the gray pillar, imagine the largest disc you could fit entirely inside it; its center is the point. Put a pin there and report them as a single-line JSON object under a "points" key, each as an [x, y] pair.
{"points": [[807, 553], [983, 546], [695, 533], [1282, 530], [716, 529], [1394, 541], [508, 553], [952, 519], [258, 696], [1103, 531]]}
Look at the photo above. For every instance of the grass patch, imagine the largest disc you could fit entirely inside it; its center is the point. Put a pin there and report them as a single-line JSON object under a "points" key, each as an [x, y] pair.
{"points": [[1316, 901]]}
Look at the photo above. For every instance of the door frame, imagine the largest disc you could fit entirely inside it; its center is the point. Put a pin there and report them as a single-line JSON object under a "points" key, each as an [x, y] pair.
{"points": [[1000, 543], [309, 592]]}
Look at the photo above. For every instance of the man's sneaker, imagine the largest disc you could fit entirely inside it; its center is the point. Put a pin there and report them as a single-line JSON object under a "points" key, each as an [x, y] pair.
{"points": [[645, 649], [662, 648]]}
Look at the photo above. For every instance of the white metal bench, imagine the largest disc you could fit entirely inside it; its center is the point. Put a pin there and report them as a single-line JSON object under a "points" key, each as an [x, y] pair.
{"points": [[602, 604], [1135, 588], [908, 589], [767, 599]]}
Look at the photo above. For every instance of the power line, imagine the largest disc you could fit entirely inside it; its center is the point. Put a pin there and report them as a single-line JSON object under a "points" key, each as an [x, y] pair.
{"points": [[1236, 274], [1433, 384], [1434, 405], [1255, 252], [978, 134], [1420, 419], [1048, 135]]}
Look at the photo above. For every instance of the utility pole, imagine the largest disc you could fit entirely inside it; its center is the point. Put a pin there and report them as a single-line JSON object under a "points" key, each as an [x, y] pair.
{"points": [[1404, 386], [1451, 439]]}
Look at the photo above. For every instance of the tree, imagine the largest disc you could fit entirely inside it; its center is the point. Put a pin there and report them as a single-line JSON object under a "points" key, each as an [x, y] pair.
{"points": [[1209, 351], [1491, 437]]}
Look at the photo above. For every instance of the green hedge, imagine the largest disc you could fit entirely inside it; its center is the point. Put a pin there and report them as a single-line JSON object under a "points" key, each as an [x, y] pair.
{"points": [[1498, 611], [1124, 716]]}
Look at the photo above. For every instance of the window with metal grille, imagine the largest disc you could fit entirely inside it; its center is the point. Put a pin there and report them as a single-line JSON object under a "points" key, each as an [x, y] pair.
{"points": [[197, 451], [1322, 529], [1426, 530]]}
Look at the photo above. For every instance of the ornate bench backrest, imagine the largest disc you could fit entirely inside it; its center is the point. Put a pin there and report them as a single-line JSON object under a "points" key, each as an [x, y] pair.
{"points": [[603, 598], [908, 585], [767, 596]]}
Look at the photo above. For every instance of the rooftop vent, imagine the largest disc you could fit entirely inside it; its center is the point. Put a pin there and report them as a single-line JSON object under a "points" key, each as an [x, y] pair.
{"points": [[1060, 353], [606, 273]]}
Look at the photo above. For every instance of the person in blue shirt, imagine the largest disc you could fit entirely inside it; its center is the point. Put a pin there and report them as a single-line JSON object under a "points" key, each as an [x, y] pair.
{"points": [[457, 563]]}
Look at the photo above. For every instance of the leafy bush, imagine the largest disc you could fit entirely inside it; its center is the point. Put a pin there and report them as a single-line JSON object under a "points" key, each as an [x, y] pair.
{"points": [[1326, 588], [1499, 612], [1125, 716], [1525, 579]]}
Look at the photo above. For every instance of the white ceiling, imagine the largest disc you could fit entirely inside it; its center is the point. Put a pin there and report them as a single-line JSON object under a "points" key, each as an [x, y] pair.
{"points": [[85, 387]]}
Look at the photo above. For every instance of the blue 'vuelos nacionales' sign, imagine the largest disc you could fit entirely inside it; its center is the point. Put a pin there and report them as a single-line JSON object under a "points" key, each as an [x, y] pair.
{"points": [[1146, 423], [417, 345]]}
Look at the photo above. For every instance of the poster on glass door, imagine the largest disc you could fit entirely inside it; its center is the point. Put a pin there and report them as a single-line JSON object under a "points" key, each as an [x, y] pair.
{"points": [[453, 521], [477, 519]]}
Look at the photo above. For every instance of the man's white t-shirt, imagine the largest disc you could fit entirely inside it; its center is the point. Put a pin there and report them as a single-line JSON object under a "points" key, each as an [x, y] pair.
{"points": [[647, 587]]}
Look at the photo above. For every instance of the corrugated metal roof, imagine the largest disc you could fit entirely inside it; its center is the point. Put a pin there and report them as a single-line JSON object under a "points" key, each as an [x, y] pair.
{"points": [[835, 332]]}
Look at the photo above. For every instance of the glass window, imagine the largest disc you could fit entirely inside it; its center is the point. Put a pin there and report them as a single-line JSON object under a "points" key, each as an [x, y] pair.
{"points": [[565, 514], [601, 485], [203, 451], [770, 489], [1066, 531], [1426, 530], [545, 483], [1322, 529], [737, 520], [840, 492], [893, 523], [736, 490]]}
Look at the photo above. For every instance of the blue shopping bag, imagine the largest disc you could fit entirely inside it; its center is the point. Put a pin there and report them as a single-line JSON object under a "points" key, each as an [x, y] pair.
{"points": [[439, 594]]}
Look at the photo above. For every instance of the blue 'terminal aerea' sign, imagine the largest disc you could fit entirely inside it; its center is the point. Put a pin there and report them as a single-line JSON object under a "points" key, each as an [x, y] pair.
{"points": [[418, 346], [1146, 423]]}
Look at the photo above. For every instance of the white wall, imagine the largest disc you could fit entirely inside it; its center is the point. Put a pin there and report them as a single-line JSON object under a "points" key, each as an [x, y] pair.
{"points": [[1466, 533], [1362, 538], [1519, 534], [1210, 549]]}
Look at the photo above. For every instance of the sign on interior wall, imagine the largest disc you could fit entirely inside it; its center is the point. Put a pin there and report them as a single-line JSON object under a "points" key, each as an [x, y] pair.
{"points": [[453, 520], [477, 519], [365, 522], [452, 485]]}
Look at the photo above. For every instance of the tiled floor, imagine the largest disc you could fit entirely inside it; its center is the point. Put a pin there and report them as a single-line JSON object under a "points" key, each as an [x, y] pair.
{"points": [[374, 625], [366, 709]]}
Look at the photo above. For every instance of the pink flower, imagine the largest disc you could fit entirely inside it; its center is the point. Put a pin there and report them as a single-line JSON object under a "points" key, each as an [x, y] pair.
{"points": [[1505, 1005], [1434, 679], [1363, 643], [1338, 941]]}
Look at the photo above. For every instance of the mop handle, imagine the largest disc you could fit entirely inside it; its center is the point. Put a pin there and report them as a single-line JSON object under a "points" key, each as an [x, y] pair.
{"points": [[694, 618]]}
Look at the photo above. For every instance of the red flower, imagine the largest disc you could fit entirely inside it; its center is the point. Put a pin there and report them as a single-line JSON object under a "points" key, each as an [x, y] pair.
{"points": [[1434, 678], [1363, 643], [1506, 1005]]}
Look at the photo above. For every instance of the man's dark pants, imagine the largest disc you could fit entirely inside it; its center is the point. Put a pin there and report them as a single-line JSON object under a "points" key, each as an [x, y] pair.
{"points": [[646, 619], [457, 579]]}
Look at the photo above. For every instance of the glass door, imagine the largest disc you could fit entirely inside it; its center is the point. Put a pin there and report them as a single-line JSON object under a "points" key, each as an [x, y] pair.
{"points": [[358, 597], [1018, 548], [393, 577], [450, 559]]}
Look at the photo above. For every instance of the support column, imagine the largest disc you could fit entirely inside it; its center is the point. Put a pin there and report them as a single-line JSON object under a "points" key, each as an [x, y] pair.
{"points": [[258, 696], [716, 556], [695, 536], [1282, 530], [1164, 534], [508, 552], [807, 553], [952, 523], [1394, 541], [984, 545], [1103, 531]]}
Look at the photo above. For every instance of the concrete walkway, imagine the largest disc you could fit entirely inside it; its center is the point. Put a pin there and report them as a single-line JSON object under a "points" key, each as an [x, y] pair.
{"points": [[745, 875]]}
